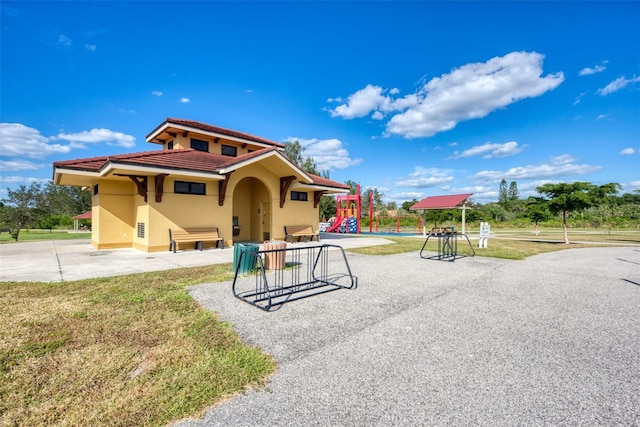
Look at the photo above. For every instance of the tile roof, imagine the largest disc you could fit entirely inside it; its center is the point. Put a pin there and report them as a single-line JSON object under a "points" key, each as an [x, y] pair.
{"points": [[186, 159], [318, 180], [441, 202], [216, 129]]}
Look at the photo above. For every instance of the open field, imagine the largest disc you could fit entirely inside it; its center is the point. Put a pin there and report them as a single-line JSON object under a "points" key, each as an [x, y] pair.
{"points": [[511, 244], [30, 235]]}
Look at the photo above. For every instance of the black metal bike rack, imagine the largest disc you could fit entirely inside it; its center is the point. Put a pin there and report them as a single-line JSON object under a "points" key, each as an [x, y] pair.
{"points": [[282, 275], [447, 244]]}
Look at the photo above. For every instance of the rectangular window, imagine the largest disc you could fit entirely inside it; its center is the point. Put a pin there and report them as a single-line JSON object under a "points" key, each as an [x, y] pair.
{"points": [[228, 150], [200, 145], [299, 195], [141, 230], [186, 187], [170, 145], [95, 190]]}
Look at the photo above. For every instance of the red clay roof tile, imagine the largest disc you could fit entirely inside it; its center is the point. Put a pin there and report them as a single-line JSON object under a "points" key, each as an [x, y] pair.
{"points": [[441, 202]]}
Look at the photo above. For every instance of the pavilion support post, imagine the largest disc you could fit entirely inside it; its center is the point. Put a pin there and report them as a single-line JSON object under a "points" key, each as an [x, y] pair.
{"points": [[464, 217]]}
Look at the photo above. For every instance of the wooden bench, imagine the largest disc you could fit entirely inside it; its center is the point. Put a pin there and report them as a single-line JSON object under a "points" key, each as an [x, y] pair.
{"points": [[300, 231], [195, 235]]}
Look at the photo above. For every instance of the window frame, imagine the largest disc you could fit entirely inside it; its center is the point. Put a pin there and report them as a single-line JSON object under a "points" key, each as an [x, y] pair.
{"points": [[202, 144], [299, 196], [192, 188], [224, 147]]}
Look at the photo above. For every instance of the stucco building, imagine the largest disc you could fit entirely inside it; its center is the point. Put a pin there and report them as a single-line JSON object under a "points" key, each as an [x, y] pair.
{"points": [[203, 176]]}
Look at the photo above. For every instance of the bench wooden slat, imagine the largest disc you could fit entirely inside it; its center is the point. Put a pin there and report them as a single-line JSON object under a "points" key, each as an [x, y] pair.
{"points": [[300, 231], [196, 235]]}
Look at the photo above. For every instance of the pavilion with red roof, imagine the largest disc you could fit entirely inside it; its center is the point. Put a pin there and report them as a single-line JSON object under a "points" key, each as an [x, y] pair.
{"points": [[451, 201]]}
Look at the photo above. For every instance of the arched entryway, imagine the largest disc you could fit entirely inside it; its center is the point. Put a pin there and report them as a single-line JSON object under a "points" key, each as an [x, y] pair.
{"points": [[251, 211]]}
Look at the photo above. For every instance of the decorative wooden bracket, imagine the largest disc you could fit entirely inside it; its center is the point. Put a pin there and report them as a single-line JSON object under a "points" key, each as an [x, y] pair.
{"points": [[222, 188], [160, 186], [141, 185], [285, 183], [317, 195]]}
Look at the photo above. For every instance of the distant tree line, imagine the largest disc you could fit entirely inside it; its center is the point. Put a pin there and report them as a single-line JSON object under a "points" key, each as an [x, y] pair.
{"points": [[41, 206], [579, 204]]}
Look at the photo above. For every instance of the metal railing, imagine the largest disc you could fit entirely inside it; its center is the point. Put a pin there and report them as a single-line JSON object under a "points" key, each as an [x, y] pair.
{"points": [[268, 278]]}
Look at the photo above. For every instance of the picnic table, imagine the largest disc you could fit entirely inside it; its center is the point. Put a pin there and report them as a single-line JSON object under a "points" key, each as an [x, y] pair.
{"points": [[447, 243]]}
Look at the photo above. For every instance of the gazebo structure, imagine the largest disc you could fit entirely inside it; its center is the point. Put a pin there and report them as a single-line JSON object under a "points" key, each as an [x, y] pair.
{"points": [[452, 201], [77, 218]]}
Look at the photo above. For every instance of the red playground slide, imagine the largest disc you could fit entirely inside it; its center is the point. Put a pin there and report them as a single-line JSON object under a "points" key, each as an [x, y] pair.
{"points": [[335, 225]]}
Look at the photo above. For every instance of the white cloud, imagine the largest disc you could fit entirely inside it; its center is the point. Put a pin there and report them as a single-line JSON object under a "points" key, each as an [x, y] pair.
{"points": [[18, 165], [404, 197], [94, 136], [628, 151], [617, 84], [588, 71], [361, 103], [469, 92], [426, 177], [18, 140], [563, 159], [156, 93], [556, 167], [489, 150], [631, 186], [185, 100], [17, 180], [329, 154], [91, 47], [64, 40]]}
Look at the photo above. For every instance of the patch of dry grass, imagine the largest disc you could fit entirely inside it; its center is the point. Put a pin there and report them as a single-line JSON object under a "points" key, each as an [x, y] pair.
{"points": [[519, 248], [119, 351]]}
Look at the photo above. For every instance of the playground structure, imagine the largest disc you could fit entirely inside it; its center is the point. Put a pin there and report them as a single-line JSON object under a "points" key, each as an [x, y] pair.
{"points": [[348, 213], [397, 227]]}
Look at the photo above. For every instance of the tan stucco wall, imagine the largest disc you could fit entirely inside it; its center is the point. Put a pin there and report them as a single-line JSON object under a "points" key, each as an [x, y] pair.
{"points": [[118, 209], [180, 142], [113, 221]]}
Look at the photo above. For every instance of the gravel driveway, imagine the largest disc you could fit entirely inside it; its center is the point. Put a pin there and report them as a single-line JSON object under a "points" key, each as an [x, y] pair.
{"points": [[551, 340]]}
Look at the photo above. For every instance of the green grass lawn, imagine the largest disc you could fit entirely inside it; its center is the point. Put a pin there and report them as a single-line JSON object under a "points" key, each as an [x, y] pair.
{"points": [[31, 235], [120, 351]]}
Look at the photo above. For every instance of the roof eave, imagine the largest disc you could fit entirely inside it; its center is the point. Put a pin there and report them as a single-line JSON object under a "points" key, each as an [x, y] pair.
{"points": [[114, 168]]}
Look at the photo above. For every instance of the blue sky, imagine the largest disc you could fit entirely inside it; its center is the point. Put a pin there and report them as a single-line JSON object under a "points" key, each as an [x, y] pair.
{"points": [[413, 98]]}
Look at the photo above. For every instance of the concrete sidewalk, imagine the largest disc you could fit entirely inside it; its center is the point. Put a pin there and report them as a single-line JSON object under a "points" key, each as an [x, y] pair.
{"points": [[66, 260]]}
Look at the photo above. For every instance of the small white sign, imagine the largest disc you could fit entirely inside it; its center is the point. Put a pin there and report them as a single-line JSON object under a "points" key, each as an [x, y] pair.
{"points": [[323, 226], [485, 229]]}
